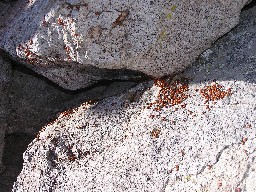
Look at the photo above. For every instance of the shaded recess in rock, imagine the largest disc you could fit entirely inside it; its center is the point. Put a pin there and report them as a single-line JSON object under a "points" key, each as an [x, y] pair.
{"points": [[97, 75], [104, 82], [250, 5], [34, 101], [15, 145]]}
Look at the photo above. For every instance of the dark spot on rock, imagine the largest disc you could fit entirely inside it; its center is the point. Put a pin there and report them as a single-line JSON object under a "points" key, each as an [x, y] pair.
{"points": [[95, 32], [97, 13]]}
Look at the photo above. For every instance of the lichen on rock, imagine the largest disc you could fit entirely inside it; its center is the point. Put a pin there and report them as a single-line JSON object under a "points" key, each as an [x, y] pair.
{"points": [[156, 38]]}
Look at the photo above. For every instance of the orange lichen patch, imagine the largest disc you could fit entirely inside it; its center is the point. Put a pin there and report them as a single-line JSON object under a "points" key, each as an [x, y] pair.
{"points": [[95, 32], [214, 92], [152, 116], [171, 93], [67, 48], [120, 18], [155, 133]]}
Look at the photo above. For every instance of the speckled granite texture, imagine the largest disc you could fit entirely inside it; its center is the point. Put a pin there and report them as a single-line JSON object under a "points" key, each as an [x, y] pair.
{"points": [[74, 42], [5, 76], [122, 144], [27, 103]]}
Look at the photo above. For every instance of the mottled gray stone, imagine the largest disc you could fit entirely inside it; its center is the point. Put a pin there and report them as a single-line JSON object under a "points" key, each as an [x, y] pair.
{"points": [[32, 101], [109, 145], [5, 75], [74, 42]]}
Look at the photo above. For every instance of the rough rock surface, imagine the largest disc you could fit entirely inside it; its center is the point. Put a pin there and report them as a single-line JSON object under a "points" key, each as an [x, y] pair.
{"points": [[5, 75], [130, 142], [74, 42], [30, 103], [15, 145], [34, 101]]}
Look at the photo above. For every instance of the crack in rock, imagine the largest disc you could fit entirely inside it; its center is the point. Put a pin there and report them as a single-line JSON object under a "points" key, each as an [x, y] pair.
{"points": [[217, 158], [245, 175]]}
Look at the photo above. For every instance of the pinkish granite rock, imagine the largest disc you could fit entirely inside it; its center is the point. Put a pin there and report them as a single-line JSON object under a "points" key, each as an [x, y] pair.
{"points": [[76, 43], [122, 143]]}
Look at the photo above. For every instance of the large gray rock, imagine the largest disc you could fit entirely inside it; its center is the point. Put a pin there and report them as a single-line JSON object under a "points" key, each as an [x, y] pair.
{"points": [[28, 104], [77, 42], [34, 101], [143, 141]]}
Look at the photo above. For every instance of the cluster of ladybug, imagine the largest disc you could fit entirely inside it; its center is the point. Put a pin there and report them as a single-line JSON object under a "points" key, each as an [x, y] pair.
{"points": [[214, 92], [155, 133], [28, 54], [171, 93], [72, 157]]}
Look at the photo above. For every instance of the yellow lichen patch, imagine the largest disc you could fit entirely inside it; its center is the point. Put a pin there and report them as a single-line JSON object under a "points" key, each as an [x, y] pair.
{"points": [[173, 8], [187, 178], [169, 16], [163, 35]]}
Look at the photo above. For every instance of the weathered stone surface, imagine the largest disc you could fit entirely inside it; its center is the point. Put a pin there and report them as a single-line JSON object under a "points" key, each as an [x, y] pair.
{"points": [[122, 143], [74, 42], [15, 145], [31, 102], [5, 75]]}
